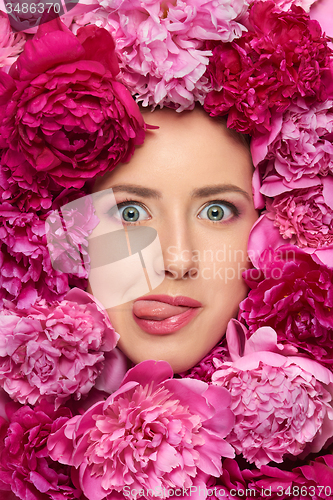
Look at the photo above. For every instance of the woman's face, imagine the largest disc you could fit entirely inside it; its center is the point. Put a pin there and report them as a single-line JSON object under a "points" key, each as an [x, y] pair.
{"points": [[191, 182]]}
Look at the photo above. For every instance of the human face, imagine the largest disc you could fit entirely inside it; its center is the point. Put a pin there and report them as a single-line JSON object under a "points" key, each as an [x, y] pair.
{"points": [[199, 200]]}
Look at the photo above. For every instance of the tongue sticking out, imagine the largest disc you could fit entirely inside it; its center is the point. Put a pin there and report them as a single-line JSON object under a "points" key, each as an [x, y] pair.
{"points": [[153, 309]]}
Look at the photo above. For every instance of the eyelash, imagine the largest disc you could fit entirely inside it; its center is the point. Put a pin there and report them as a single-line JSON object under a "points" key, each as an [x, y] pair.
{"points": [[231, 206]]}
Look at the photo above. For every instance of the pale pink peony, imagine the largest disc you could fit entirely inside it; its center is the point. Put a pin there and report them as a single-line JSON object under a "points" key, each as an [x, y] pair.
{"points": [[286, 4], [26, 273], [322, 11], [154, 432], [161, 44], [22, 186], [297, 148], [11, 44], [282, 402], [54, 351]]}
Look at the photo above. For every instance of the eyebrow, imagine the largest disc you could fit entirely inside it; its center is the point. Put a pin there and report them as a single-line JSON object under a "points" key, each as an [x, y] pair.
{"points": [[202, 192]]}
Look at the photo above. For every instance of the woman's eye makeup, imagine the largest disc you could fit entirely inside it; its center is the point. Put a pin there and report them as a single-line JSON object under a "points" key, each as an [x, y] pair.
{"points": [[219, 211], [133, 212], [129, 212]]}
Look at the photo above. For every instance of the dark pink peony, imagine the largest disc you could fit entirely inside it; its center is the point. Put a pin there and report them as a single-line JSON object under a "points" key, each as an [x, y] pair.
{"points": [[26, 270], [25, 266], [54, 351], [154, 432], [26, 470], [283, 55], [22, 186], [67, 115], [294, 295]]}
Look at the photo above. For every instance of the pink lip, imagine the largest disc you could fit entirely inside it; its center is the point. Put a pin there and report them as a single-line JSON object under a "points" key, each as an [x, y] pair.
{"points": [[173, 323], [174, 301]]}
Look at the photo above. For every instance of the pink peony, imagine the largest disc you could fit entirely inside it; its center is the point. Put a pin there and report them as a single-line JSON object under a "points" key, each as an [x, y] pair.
{"points": [[161, 44], [54, 351], [26, 470], [283, 55], [293, 294], [63, 109], [26, 272], [305, 216], [205, 369], [26, 269], [152, 433], [297, 149], [11, 44], [282, 404]]}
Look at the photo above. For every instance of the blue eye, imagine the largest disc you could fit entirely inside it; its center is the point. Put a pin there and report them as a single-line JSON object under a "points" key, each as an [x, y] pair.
{"points": [[129, 212], [218, 211]]}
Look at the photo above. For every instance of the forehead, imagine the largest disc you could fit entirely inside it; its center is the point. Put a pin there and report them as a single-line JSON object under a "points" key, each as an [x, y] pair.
{"points": [[186, 150]]}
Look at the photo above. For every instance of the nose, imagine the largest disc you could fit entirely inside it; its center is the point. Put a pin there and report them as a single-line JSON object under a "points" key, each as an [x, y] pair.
{"points": [[179, 251]]}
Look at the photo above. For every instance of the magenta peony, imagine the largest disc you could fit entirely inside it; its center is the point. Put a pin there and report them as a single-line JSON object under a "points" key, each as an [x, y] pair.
{"points": [[161, 44], [11, 44], [26, 470], [53, 351], [26, 273], [293, 294], [304, 215], [153, 433], [63, 109], [283, 55], [282, 403]]}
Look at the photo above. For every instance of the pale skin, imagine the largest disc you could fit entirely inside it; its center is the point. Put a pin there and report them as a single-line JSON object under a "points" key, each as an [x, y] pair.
{"points": [[200, 203]]}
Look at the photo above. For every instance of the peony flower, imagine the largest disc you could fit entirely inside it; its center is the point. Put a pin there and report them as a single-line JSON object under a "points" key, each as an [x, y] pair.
{"points": [[26, 272], [286, 4], [54, 351], [297, 149], [293, 294], [284, 55], [282, 403], [63, 109], [26, 470], [152, 433], [161, 44], [22, 186], [11, 44]]}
